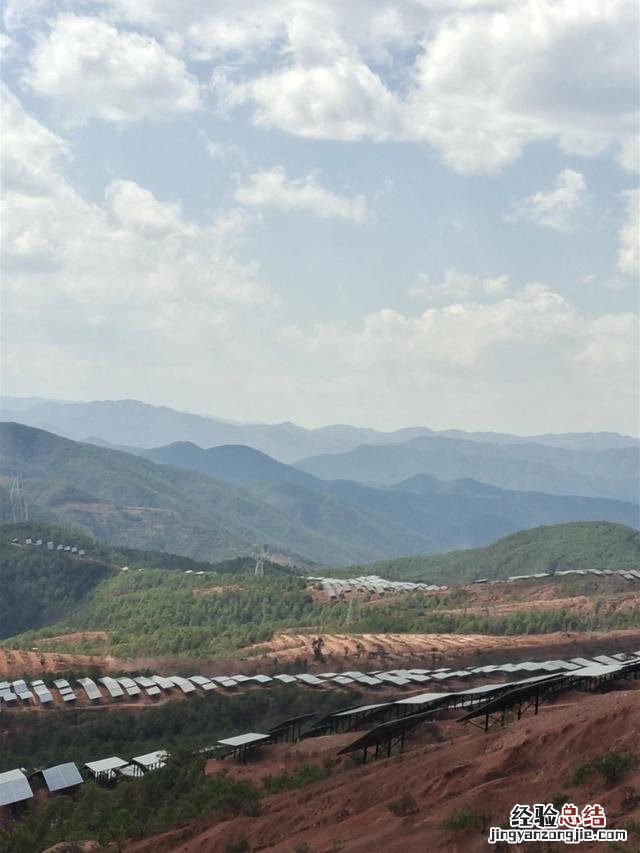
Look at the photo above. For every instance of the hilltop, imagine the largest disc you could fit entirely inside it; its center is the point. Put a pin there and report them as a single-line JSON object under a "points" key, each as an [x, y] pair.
{"points": [[579, 545]]}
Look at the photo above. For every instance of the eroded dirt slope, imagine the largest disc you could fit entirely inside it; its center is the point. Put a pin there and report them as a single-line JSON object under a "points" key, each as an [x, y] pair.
{"points": [[454, 768]]}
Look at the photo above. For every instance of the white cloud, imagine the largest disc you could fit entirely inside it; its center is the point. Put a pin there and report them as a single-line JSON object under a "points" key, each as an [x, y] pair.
{"points": [[557, 207], [458, 286], [131, 273], [137, 209], [271, 188], [530, 359], [344, 100], [478, 90], [467, 78], [91, 69], [629, 237], [29, 151]]}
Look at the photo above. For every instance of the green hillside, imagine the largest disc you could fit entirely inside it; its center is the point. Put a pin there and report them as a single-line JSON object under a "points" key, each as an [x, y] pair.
{"points": [[579, 545], [163, 604], [159, 612], [40, 586], [155, 599], [177, 611]]}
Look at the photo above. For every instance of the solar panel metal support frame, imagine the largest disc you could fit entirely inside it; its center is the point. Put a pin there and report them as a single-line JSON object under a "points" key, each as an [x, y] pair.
{"points": [[290, 731]]}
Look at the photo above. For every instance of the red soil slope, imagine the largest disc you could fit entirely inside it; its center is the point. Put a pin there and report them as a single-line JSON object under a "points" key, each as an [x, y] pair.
{"points": [[445, 770]]}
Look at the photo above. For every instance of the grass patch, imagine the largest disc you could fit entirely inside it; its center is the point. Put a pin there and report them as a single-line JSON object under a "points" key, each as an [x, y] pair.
{"points": [[612, 766], [306, 774], [466, 819]]}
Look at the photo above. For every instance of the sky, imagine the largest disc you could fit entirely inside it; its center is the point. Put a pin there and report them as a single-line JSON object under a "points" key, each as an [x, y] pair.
{"points": [[377, 212]]}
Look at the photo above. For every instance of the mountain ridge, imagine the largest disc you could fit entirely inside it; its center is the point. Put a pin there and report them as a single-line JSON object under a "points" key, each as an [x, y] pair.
{"points": [[122, 422]]}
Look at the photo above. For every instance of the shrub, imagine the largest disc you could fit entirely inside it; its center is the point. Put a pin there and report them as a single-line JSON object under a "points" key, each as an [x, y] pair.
{"points": [[613, 766], [404, 806], [467, 819]]}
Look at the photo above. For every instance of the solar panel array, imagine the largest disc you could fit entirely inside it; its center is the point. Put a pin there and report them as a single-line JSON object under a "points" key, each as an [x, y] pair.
{"points": [[51, 546], [629, 575], [398, 716], [395, 719], [18, 692], [336, 587]]}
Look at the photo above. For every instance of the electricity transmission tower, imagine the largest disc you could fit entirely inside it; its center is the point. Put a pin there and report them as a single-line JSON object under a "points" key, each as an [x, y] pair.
{"points": [[259, 571], [19, 508], [350, 608]]}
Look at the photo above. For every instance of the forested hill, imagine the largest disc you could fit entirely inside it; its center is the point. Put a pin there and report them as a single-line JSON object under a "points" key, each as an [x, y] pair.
{"points": [[579, 545], [41, 586]]}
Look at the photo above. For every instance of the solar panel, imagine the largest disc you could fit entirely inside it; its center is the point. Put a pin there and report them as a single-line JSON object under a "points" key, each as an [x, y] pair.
{"points": [[90, 688], [105, 766], [112, 686], [152, 760], [242, 740], [8, 696], [62, 776], [14, 787], [423, 699], [43, 693], [307, 678], [596, 670], [183, 683], [25, 695], [204, 683], [145, 681], [394, 679], [361, 709], [164, 683], [368, 680], [129, 685]]}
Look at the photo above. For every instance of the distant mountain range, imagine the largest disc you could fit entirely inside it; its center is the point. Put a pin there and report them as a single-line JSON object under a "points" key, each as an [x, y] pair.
{"points": [[224, 501], [133, 424], [130, 501], [609, 473]]}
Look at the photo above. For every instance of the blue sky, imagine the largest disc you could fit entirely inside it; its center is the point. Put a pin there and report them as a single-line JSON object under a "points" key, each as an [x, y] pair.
{"points": [[383, 213]]}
